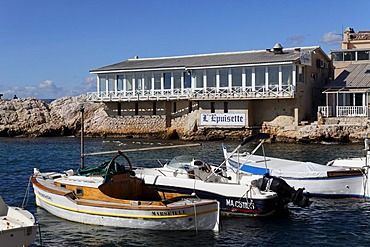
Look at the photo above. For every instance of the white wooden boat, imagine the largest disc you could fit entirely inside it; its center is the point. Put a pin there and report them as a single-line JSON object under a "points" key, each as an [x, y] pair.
{"points": [[318, 180], [119, 199], [18, 226], [238, 194]]}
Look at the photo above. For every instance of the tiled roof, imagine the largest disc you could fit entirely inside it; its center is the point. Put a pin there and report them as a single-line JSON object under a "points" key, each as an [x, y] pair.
{"points": [[206, 60], [354, 76]]}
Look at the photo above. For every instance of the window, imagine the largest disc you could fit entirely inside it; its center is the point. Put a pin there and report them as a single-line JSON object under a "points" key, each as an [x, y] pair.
{"points": [[190, 106], [102, 85], [273, 75], [198, 75], [154, 108], [138, 81], [187, 79], [119, 82], [236, 75], [349, 56], [337, 56], [213, 109], [157, 80], [226, 107], [300, 74], [248, 77], [260, 76], [79, 192], [177, 79], [174, 107], [111, 83], [147, 80], [167, 80], [363, 55], [211, 77], [287, 74], [136, 108], [129, 78], [224, 77]]}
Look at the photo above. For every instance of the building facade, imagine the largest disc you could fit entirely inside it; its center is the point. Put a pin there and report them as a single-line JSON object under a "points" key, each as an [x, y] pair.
{"points": [[348, 94], [232, 90]]}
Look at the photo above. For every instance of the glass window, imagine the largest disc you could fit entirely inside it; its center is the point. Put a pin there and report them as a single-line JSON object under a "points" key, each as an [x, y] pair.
{"points": [[248, 77], [111, 83], [157, 80], [119, 82], [187, 79], [337, 56], [102, 81], [287, 71], [260, 76], [147, 80], [128, 77], [198, 75], [363, 55], [211, 77], [224, 77], [177, 79], [273, 75], [167, 80], [236, 75], [213, 108], [349, 56], [226, 107], [138, 81], [300, 74]]}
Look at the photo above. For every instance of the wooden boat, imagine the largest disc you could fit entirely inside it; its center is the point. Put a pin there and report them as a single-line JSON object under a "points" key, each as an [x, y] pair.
{"points": [[111, 195], [18, 226], [318, 180], [238, 194]]}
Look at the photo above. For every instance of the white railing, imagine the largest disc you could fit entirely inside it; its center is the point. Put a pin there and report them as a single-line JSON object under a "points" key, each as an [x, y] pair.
{"points": [[343, 111], [326, 111], [351, 111], [195, 93]]}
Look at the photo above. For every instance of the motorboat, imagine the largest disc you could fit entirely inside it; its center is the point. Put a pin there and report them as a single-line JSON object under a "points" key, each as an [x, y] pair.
{"points": [[317, 179], [238, 194], [111, 195], [18, 226]]}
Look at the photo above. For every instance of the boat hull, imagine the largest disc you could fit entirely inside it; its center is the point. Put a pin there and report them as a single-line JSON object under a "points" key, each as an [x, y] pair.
{"points": [[235, 199], [17, 228], [331, 184], [194, 215]]}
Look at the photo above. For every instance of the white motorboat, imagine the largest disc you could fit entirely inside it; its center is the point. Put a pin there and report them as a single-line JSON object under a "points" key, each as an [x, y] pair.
{"points": [[238, 194], [317, 179], [18, 226], [110, 195]]}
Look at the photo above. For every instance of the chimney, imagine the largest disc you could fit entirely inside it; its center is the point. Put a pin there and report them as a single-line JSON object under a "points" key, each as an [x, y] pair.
{"points": [[277, 49]]}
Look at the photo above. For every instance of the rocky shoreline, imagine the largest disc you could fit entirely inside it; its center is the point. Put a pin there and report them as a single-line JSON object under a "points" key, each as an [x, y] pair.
{"points": [[32, 117]]}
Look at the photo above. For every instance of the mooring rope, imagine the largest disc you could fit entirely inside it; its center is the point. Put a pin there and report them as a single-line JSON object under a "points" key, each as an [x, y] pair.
{"points": [[26, 194]]}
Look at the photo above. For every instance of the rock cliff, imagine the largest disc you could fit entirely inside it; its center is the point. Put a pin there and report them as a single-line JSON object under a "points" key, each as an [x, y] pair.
{"points": [[32, 117]]}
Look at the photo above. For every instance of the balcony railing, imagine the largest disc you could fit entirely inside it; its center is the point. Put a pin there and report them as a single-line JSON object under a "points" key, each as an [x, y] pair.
{"points": [[344, 111], [194, 93]]}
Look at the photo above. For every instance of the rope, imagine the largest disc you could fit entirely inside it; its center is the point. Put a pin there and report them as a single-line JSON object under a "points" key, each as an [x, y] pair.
{"points": [[195, 216], [26, 194]]}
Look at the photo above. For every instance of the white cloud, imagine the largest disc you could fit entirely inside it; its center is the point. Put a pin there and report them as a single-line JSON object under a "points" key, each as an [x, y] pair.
{"points": [[331, 38], [49, 90], [299, 39]]}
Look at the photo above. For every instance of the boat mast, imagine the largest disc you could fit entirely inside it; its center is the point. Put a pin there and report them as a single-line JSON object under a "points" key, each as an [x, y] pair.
{"points": [[82, 137]]}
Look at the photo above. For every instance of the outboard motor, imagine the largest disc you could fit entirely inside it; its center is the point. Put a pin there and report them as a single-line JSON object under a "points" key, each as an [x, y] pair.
{"points": [[283, 190]]}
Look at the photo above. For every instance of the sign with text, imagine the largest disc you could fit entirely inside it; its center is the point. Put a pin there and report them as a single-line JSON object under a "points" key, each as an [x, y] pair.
{"points": [[222, 119]]}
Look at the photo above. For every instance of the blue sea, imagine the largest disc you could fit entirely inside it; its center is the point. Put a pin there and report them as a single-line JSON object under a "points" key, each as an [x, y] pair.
{"points": [[327, 222]]}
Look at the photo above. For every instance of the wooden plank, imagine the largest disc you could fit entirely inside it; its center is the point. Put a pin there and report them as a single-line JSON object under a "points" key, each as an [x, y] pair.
{"points": [[143, 149]]}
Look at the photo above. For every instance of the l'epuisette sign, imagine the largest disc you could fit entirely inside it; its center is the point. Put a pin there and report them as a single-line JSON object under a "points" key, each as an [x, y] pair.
{"points": [[222, 119]]}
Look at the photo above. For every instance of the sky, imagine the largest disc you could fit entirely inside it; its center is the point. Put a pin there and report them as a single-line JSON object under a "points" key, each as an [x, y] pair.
{"points": [[48, 47]]}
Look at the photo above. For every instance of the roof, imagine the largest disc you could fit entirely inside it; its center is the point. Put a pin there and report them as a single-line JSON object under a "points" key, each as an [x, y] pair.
{"points": [[206, 60], [354, 76]]}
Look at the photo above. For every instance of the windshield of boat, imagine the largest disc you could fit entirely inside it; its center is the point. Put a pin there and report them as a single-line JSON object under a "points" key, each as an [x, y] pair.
{"points": [[181, 162]]}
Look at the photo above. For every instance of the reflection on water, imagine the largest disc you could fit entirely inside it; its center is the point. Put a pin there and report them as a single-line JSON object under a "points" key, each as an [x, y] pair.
{"points": [[326, 222]]}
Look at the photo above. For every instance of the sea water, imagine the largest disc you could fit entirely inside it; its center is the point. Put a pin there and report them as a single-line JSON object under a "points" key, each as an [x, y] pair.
{"points": [[327, 222]]}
